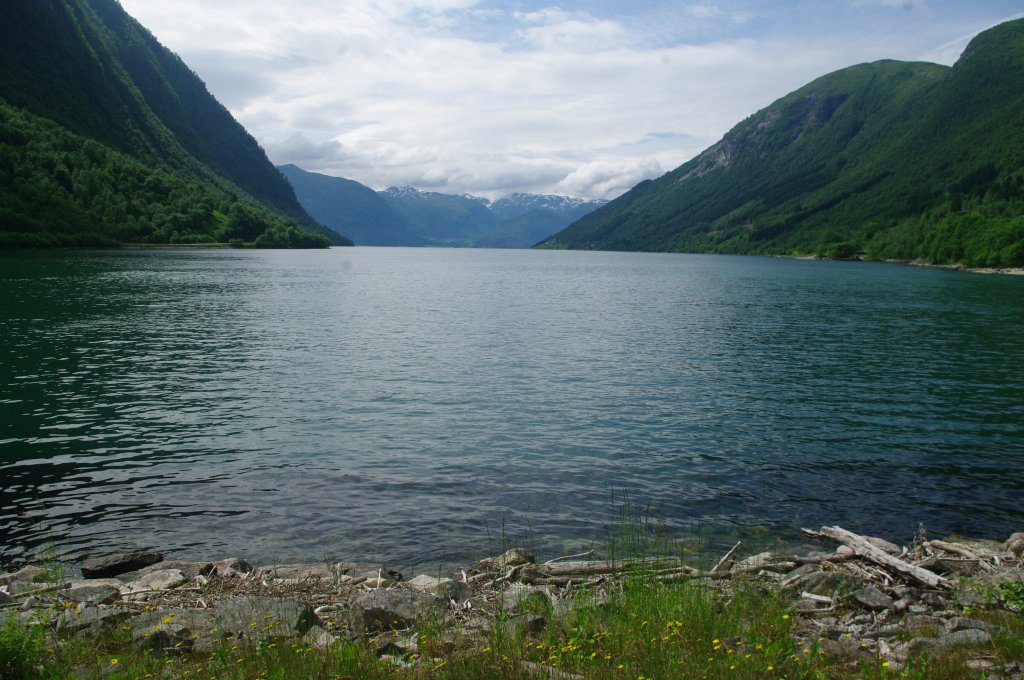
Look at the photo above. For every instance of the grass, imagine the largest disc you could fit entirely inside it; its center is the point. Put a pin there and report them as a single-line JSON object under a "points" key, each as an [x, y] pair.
{"points": [[640, 628]]}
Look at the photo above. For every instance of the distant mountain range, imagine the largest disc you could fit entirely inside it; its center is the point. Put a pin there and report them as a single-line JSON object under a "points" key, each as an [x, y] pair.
{"points": [[889, 160], [107, 137], [404, 216]]}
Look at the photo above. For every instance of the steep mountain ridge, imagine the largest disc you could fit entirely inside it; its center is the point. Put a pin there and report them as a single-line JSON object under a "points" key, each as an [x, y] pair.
{"points": [[351, 208], [97, 73], [884, 160]]}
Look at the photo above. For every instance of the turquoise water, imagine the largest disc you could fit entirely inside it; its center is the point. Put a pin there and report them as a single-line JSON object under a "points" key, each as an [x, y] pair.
{"points": [[415, 404]]}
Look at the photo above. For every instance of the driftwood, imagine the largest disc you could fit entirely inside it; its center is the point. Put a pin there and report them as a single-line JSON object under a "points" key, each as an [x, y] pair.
{"points": [[600, 567], [865, 549], [566, 571], [962, 551], [725, 557], [569, 557], [821, 559], [878, 566], [953, 548]]}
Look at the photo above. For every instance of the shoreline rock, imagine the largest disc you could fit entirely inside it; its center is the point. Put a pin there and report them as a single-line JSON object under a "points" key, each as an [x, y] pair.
{"points": [[867, 601]]}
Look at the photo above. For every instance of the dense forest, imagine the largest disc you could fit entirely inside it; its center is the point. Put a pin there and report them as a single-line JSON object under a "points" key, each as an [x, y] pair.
{"points": [[106, 137], [889, 160]]}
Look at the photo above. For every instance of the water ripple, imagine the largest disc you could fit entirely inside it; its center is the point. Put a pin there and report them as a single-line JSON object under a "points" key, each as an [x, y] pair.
{"points": [[420, 405]]}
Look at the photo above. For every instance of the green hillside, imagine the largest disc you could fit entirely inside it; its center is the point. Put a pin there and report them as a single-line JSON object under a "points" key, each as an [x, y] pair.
{"points": [[106, 136], [889, 160]]}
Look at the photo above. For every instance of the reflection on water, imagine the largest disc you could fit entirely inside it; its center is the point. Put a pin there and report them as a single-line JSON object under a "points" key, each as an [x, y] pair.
{"points": [[409, 403]]}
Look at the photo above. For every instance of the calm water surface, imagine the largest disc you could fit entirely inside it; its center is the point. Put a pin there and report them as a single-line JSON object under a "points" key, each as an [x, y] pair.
{"points": [[413, 404]]}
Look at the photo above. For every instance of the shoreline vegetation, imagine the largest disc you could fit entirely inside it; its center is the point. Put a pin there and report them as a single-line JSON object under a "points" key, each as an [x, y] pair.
{"points": [[646, 607]]}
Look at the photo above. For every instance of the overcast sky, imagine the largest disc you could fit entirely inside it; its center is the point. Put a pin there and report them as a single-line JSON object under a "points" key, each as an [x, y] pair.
{"points": [[577, 98]]}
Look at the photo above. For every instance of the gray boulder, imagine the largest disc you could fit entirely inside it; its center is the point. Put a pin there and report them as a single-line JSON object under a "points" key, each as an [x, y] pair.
{"points": [[164, 579], [510, 558], [299, 572], [367, 569], [89, 616], [102, 594], [29, 574], [932, 646], [173, 629], [374, 611], [260, 618], [872, 598], [119, 563], [453, 590], [233, 567]]}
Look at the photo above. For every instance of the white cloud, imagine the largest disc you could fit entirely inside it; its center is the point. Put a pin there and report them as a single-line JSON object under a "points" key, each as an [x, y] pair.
{"points": [[448, 94], [703, 11], [609, 178]]}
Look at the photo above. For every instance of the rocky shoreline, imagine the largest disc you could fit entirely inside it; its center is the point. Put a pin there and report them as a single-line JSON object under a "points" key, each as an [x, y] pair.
{"points": [[867, 602]]}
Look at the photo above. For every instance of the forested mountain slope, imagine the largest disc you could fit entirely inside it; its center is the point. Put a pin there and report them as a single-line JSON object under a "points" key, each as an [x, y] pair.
{"points": [[106, 136], [884, 160]]}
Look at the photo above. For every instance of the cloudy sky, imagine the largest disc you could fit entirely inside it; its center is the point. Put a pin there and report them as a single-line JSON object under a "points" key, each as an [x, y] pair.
{"points": [[487, 97]]}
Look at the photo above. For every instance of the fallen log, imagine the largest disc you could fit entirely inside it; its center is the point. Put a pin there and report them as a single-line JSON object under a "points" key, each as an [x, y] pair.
{"points": [[865, 549], [588, 567]]}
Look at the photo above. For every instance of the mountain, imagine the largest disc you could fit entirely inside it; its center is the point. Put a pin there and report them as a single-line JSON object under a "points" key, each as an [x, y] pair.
{"points": [[107, 137], [442, 219], [564, 207], [351, 208], [516, 221], [405, 216], [888, 160], [523, 231]]}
